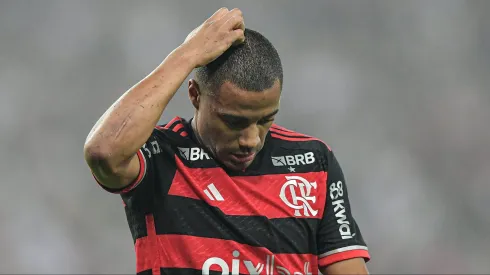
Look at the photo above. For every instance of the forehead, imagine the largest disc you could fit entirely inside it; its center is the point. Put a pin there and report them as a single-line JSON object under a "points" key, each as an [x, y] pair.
{"points": [[233, 100]]}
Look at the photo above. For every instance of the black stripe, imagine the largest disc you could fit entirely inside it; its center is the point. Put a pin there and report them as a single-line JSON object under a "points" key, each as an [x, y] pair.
{"points": [[183, 129], [175, 123], [289, 136], [154, 186], [146, 272], [180, 215]]}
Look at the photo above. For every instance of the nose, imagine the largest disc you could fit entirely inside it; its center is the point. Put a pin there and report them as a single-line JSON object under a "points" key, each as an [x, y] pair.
{"points": [[249, 138]]}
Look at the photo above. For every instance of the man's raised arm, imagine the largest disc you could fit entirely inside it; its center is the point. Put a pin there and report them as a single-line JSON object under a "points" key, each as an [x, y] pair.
{"points": [[111, 146]]}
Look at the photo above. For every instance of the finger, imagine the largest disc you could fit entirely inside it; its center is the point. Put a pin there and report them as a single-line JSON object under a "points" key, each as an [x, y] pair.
{"points": [[238, 37], [227, 16], [237, 22], [241, 25], [218, 14], [234, 23]]}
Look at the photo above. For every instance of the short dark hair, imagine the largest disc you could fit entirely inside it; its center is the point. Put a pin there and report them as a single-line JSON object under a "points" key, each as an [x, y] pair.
{"points": [[252, 66]]}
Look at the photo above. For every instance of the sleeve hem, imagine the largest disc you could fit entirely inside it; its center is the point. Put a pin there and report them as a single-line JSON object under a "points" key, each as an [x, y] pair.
{"points": [[334, 257], [136, 182]]}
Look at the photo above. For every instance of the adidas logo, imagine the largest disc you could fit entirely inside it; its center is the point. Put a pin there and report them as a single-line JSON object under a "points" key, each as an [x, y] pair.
{"points": [[213, 193]]}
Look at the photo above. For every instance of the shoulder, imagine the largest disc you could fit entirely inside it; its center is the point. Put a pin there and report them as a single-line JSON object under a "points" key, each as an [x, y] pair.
{"points": [[295, 140], [175, 131], [289, 147], [166, 138], [176, 126]]}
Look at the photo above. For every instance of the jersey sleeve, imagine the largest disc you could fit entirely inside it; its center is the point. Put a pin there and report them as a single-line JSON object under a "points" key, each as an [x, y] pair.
{"points": [[339, 236], [151, 155]]}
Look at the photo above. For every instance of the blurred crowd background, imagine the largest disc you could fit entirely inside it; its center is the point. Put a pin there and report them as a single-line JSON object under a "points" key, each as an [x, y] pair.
{"points": [[399, 89]]}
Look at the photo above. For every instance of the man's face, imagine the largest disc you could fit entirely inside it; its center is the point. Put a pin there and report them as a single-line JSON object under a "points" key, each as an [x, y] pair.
{"points": [[233, 123]]}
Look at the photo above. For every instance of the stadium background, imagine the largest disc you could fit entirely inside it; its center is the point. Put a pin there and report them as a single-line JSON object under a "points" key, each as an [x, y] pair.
{"points": [[399, 89]]}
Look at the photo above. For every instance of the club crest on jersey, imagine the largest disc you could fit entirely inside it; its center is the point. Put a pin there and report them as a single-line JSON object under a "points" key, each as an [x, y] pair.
{"points": [[291, 160], [296, 193], [193, 153]]}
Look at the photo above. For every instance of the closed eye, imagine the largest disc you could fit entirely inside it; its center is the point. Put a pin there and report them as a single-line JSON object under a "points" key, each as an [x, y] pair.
{"points": [[235, 122], [266, 121]]}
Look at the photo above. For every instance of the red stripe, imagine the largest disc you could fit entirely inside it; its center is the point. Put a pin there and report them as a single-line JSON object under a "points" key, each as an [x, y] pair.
{"points": [[149, 254], [251, 195], [341, 256], [181, 251], [281, 128], [299, 139], [292, 134], [183, 133], [171, 122], [293, 138], [178, 127], [135, 183]]}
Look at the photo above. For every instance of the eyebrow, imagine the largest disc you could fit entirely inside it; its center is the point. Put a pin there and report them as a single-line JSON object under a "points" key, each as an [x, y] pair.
{"points": [[235, 117]]}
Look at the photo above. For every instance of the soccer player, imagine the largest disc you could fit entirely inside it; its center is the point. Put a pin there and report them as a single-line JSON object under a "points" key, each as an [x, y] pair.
{"points": [[227, 191]]}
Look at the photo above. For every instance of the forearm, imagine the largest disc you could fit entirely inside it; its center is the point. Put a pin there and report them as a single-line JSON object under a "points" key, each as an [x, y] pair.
{"points": [[129, 122]]}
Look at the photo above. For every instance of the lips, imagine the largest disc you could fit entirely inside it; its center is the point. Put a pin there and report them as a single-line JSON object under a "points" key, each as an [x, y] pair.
{"points": [[243, 158]]}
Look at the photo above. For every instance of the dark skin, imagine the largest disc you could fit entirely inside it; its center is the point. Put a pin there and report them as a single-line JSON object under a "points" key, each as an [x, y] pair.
{"points": [[232, 123], [351, 266]]}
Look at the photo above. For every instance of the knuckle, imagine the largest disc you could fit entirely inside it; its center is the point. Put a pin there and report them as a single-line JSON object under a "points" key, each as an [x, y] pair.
{"points": [[236, 19]]}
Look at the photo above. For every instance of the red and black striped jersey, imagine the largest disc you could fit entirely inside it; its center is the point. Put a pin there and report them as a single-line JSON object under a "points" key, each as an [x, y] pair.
{"points": [[287, 213]]}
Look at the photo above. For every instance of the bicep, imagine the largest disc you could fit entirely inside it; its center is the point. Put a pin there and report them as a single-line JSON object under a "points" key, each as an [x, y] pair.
{"points": [[351, 266]]}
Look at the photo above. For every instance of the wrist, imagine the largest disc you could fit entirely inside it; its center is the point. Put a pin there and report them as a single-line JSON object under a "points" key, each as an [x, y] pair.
{"points": [[185, 57]]}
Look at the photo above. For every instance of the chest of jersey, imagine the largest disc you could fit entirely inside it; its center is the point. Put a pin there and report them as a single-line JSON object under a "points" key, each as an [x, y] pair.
{"points": [[258, 224], [287, 195]]}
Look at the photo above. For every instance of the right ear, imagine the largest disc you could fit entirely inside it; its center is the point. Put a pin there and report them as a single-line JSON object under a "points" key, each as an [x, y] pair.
{"points": [[194, 93]]}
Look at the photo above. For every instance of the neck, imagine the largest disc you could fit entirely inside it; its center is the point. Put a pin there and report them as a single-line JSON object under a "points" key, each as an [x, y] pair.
{"points": [[199, 139], [196, 132]]}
